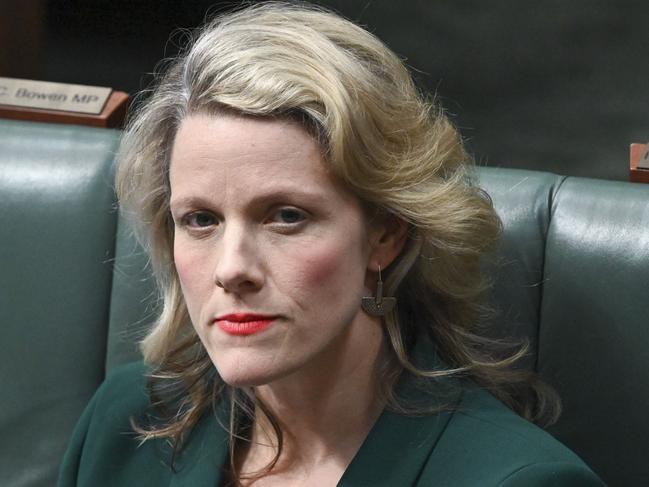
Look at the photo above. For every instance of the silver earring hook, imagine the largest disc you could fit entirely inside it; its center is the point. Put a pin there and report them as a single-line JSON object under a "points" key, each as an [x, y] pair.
{"points": [[379, 289], [379, 305]]}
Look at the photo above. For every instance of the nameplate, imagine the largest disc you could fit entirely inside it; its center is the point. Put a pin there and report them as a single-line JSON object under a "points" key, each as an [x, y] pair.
{"points": [[47, 95]]}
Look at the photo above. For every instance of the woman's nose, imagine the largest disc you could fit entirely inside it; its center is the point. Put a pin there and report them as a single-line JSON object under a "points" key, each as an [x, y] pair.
{"points": [[237, 269]]}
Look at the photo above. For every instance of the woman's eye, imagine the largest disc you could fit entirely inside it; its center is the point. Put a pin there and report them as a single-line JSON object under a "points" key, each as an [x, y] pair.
{"points": [[288, 216], [199, 219]]}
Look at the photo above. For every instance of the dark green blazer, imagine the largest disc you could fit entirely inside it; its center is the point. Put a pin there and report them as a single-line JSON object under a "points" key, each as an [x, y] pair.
{"points": [[480, 442]]}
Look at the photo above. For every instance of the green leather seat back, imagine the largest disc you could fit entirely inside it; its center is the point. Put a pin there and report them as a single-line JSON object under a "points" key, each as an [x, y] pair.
{"points": [[573, 275], [594, 341], [133, 299], [58, 227], [522, 200]]}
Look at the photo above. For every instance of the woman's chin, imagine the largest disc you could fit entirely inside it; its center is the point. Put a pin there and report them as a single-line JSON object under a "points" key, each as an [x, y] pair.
{"points": [[247, 374], [244, 379]]}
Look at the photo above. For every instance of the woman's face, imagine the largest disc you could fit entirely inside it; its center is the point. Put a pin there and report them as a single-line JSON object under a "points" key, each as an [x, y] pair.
{"points": [[272, 253]]}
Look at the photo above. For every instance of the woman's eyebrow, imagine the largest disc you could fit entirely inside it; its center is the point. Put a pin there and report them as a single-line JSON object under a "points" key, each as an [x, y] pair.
{"points": [[188, 202], [264, 196], [288, 195]]}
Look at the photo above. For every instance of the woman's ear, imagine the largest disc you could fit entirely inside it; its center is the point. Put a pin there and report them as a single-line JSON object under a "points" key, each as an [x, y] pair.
{"points": [[387, 240]]}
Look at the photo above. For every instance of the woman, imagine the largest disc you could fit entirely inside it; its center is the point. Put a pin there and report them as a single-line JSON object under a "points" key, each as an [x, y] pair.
{"points": [[317, 244]]}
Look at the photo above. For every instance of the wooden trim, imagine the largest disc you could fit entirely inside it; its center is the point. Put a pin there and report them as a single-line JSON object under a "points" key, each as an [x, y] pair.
{"points": [[112, 116], [638, 175]]}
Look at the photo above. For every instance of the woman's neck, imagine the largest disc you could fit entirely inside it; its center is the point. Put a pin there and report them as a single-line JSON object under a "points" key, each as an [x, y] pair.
{"points": [[324, 411]]}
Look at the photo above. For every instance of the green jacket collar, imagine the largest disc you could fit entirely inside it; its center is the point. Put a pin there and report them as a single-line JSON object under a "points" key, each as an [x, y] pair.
{"points": [[394, 452]]}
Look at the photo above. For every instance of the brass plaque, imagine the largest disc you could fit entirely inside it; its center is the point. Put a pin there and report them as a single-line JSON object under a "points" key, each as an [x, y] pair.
{"points": [[47, 95]]}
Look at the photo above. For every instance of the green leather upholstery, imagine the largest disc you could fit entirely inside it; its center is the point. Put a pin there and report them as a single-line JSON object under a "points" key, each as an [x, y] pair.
{"points": [[571, 275], [133, 299], [522, 199], [58, 231], [594, 340]]}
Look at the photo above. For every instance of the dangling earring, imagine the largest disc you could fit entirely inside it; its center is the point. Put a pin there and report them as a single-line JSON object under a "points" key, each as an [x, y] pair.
{"points": [[379, 305]]}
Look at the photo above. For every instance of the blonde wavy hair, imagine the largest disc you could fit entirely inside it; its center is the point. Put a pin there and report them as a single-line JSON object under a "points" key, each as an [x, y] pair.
{"points": [[395, 149]]}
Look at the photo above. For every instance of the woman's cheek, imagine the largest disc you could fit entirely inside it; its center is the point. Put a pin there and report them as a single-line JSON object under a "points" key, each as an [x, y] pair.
{"points": [[192, 272], [182, 262], [329, 266]]}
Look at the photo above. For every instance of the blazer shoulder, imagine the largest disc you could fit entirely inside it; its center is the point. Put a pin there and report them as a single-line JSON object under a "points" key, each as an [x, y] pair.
{"points": [[498, 426], [104, 445], [123, 393], [555, 474], [500, 446]]}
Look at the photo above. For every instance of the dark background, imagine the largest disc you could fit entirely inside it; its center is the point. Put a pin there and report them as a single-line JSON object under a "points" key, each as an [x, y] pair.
{"points": [[553, 85]]}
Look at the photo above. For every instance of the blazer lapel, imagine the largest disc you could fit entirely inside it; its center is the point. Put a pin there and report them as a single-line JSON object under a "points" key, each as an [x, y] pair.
{"points": [[396, 450], [398, 446]]}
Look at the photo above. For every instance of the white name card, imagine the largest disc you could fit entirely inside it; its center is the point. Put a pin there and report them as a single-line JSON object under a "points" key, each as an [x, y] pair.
{"points": [[643, 160], [47, 95]]}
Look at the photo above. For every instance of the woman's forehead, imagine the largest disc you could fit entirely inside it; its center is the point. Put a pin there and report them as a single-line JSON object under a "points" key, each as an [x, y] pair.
{"points": [[229, 140], [248, 157]]}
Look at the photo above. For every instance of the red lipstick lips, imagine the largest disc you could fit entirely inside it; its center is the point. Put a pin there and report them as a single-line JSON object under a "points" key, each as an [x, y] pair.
{"points": [[242, 324]]}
